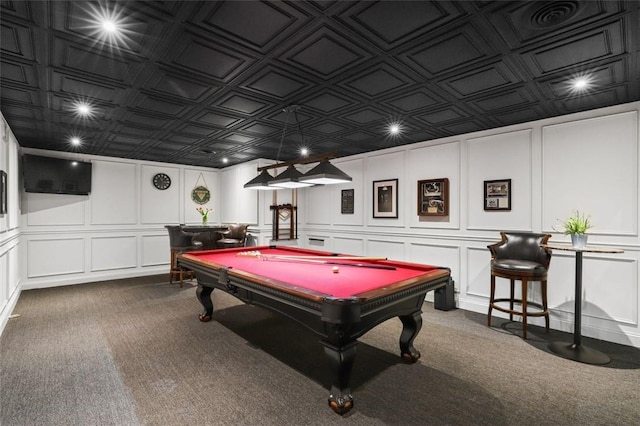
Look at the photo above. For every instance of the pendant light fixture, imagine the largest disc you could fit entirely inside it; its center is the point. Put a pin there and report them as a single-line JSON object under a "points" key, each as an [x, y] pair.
{"points": [[261, 182], [324, 173], [290, 178]]}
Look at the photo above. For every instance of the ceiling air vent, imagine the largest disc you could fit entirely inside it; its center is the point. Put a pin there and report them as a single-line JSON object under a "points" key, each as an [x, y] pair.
{"points": [[554, 13]]}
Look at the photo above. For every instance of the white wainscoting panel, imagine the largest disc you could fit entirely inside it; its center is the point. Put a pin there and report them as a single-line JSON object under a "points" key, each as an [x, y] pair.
{"points": [[353, 246], [4, 280], [478, 273], [55, 257], [386, 167], [151, 198], [211, 181], [321, 202], [114, 198], [434, 162], [238, 204], [14, 190], [447, 256], [501, 156], [14, 267], [155, 250], [392, 250], [609, 286], [355, 169], [592, 165], [55, 209], [110, 253]]}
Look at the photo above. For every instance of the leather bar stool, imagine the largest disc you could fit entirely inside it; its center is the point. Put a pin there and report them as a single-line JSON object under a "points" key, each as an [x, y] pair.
{"points": [[520, 257]]}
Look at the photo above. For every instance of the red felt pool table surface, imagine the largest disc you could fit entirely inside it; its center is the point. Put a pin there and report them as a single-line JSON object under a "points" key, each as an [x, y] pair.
{"points": [[316, 277]]}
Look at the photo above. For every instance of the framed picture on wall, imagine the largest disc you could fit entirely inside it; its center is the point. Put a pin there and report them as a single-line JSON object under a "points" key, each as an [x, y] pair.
{"points": [[433, 197], [497, 194], [385, 198], [347, 201], [3, 192]]}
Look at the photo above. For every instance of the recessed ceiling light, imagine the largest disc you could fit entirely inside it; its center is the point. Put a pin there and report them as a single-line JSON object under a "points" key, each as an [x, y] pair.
{"points": [[394, 129], [579, 84], [225, 160], [75, 141], [107, 24], [304, 152], [82, 109]]}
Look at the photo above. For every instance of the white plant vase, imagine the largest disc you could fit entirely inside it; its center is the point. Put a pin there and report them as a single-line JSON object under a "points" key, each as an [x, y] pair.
{"points": [[579, 241]]}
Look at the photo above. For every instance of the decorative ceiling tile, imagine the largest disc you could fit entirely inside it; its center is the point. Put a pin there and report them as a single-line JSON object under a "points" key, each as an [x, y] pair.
{"points": [[326, 55], [377, 81], [276, 83], [195, 74], [365, 116], [256, 23], [327, 102], [242, 104], [413, 101], [17, 40], [216, 119], [183, 87], [392, 21], [606, 42], [481, 80], [208, 60]]}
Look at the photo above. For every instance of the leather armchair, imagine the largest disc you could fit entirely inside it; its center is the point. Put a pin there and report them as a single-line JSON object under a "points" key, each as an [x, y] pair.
{"points": [[180, 242], [234, 236]]}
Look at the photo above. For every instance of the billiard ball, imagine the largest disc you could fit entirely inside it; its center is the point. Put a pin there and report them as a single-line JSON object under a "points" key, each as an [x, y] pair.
{"points": [[336, 269]]}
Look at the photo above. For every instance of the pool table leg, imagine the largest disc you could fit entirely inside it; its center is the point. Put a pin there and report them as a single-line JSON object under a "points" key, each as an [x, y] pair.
{"points": [[341, 362], [204, 296], [411, 325]]}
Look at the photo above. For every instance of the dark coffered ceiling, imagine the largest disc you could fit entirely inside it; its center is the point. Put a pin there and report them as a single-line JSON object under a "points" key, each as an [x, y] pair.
{"points": [[192, 82]]}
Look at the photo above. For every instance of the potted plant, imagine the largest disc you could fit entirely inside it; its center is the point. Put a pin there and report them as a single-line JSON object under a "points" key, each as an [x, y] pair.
{"points": [[577, 226]]}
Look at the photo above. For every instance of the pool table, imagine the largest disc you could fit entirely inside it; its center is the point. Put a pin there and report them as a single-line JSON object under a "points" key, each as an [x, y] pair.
{"points": [[338, 297]]}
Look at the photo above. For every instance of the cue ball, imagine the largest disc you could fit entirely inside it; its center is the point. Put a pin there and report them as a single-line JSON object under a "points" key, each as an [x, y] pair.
{"points": [[336, 269]]}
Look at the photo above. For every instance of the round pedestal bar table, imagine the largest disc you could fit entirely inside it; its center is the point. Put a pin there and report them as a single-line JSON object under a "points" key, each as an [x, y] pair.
{"points": [[576, 351]]}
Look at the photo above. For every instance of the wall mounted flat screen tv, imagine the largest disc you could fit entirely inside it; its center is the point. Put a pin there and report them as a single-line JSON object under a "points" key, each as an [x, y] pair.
{"points": [[56, 175]]}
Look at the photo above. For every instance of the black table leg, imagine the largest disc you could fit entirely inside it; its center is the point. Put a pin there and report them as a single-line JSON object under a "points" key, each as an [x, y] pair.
{"points": [[204, 296], [340, 362], [411, 325], [575, 351]]}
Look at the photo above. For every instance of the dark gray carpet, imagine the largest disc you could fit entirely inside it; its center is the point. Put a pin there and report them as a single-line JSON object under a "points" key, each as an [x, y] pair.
{"points": [[132, 352]]}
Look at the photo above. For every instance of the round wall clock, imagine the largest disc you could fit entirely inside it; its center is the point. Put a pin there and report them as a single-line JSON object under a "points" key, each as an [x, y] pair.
{"points": [[161, 181]]}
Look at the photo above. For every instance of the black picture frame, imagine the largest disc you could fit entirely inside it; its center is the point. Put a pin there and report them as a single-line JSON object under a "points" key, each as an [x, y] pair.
{"points": [[3, 192], [433, 197], [497, 195], [385, 199], [347, 201]]}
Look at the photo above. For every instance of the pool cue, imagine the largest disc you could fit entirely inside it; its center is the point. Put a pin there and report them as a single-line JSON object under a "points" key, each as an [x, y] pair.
{"points": [[285, 256], [328, 262]]}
